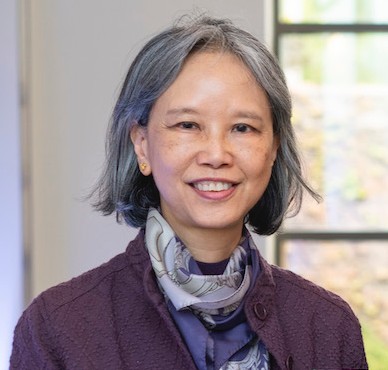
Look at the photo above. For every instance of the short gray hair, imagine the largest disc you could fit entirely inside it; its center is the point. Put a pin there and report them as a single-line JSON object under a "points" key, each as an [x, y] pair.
{"points": [[123, 189]]}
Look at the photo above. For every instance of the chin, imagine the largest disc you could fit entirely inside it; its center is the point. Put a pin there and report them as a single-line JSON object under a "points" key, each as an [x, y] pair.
{"points": [[220, 225]]}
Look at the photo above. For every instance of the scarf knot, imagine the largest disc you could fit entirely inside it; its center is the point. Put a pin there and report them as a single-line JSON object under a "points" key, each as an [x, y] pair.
{"points": [[216, 301]]}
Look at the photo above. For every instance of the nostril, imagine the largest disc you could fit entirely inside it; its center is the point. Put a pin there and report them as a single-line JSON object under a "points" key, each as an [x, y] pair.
{"points": [[215, 158]]}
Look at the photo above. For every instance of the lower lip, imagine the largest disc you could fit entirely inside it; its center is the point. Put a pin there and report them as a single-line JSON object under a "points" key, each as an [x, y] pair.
{"points": [[215, 195]]}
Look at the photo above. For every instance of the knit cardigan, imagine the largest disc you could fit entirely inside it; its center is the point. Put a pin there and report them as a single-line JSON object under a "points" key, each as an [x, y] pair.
{"points": [[114, 317]]}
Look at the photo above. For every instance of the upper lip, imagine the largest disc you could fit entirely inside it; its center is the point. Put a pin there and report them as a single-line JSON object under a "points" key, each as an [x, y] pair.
{"points": [[212, 179]]}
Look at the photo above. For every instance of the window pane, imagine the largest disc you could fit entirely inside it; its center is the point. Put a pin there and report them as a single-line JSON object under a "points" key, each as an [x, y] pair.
{"points": [[339, 87], [333, 11], [357, 271]]}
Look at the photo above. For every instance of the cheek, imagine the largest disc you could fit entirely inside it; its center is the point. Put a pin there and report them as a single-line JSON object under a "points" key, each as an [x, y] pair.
{"points": [[269, 157], [259, 158], [260, 168], [170, 152], [166, 163], [160, 151], [163, 142]]}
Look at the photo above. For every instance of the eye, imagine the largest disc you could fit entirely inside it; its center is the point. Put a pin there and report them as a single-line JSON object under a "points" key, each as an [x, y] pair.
{"points": [[187, 125], [242, 127]]}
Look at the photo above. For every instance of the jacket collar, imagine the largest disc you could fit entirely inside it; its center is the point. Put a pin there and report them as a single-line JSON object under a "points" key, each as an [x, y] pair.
{"points": [[260, 306]]}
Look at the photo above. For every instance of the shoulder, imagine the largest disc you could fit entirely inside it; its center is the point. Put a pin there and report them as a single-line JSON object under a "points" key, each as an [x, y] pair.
{"points": [[299, 303], [90, 284], [94, 285], [312, 323], [291, 288], [304, 308], [85, 321]]}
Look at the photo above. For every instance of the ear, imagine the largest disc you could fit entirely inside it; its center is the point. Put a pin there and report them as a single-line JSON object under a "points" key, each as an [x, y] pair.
{"points": [[140, 143]]}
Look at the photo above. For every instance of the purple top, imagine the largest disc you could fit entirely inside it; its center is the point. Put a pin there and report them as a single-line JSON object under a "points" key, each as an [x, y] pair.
{"points": [[115, 317], [216, 268]]}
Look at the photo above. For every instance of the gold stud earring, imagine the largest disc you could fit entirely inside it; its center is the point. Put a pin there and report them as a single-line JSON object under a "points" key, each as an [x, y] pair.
{"points": [[143, 166]]}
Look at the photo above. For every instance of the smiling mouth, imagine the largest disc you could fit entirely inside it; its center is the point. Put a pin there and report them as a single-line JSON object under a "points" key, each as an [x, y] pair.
{"points": [[212, 186]]}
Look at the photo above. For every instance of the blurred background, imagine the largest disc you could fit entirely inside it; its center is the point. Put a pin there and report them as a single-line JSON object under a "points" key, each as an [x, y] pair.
{"points": [[61, 67], [335, 56]]}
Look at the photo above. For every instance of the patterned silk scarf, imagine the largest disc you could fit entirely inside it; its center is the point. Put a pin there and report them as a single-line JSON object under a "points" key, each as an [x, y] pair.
{"points": [[214, 299]]}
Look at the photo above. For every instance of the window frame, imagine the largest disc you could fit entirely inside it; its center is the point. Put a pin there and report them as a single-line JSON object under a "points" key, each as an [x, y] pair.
{"points": [[281, 29]]}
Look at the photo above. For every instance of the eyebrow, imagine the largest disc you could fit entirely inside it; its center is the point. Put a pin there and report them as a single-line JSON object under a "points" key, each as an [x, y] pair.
{"points": [[248, 114], [176, 111], [237, 114]]}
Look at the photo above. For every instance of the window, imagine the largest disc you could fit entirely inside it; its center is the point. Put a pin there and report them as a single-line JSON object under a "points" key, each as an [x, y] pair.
{"points": [[335, 57]]}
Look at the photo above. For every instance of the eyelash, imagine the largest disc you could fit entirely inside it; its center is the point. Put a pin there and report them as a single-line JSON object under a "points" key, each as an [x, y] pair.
{"points": [[185, 125], [239, 127], [246, 128]]}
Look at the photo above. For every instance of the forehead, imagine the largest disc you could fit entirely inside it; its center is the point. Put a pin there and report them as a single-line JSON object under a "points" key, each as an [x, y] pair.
{"points": [[214, 62], [213, 74]]}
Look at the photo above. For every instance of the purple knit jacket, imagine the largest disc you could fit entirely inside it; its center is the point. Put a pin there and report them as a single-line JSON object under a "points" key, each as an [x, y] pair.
{"points": [[114, 317]]}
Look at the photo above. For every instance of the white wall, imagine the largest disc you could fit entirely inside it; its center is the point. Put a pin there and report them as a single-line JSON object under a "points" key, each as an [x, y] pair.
{"points": [[73, 58], [80, 51], [11, 251]]}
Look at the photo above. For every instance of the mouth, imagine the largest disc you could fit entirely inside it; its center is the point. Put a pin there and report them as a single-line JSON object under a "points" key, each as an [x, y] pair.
{"points": [[214, 186]]}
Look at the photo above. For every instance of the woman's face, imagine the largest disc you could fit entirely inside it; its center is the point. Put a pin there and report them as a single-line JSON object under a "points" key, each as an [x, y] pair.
{"points": [[209, 144]]}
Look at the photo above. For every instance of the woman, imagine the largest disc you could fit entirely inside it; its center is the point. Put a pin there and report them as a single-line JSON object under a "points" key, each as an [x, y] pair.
{"points": [[200, 146]]}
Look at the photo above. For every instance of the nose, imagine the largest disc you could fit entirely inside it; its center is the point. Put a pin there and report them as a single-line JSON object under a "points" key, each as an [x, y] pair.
{"points": [[215, 151]]}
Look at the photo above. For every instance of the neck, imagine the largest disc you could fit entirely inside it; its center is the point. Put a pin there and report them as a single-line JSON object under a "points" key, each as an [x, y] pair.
{"points": [[211, 245]]}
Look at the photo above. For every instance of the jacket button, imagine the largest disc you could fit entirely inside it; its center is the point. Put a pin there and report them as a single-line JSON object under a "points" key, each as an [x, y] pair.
{"points": [[260, 311], [289, 363]]}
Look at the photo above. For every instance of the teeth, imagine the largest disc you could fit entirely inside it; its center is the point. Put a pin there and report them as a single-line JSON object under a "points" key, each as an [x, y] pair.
{"points": [[212, 186]]}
